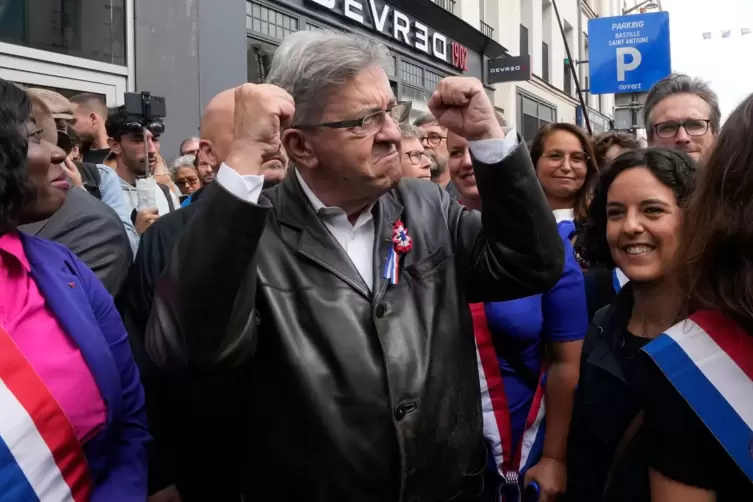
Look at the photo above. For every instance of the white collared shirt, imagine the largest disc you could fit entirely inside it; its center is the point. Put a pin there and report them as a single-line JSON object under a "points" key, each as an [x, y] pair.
{"points": [[356, 239], [561, 215]]}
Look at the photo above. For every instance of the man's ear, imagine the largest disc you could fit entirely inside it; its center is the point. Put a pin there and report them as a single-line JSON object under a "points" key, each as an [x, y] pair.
{"points": [[299, 149], [206, 153], [114, 146]]}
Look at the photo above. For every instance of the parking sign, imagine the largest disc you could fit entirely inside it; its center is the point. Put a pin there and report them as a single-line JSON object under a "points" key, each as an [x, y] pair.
{"points": [[628, 53]]}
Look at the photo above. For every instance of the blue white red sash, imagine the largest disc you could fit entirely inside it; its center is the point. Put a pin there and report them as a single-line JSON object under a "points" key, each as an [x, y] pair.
{"points": [[496, 412], [708, 358], [40, 457]]}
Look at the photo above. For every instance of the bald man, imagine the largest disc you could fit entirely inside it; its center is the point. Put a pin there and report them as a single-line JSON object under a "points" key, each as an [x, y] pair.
{"points": [[188, 420]]}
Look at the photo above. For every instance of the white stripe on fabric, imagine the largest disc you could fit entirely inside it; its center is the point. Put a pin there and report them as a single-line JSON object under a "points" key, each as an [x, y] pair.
{"points": [[29, 449], [529, 436], [621, 277], [491, 428], [723, 373]]}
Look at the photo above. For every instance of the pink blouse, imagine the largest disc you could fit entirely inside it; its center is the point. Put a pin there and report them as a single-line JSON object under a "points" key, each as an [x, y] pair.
{"points": [[50, 351]]}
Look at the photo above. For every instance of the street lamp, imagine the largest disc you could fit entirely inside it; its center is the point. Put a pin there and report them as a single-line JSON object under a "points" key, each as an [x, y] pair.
{"points": [[643, 5]]}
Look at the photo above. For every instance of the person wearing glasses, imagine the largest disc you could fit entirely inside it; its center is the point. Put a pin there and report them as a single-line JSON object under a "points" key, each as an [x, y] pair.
{"points": [[340, 295], [683, 113], [413, 157]]}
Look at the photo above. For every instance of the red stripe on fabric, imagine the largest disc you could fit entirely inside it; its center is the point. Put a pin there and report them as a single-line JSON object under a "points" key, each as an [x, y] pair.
{"points": [[730, 337], [494, 382], [49, 419]]}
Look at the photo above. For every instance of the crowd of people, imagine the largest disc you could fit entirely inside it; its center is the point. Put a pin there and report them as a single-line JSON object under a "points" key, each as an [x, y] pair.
{"points": [[321, 299]]}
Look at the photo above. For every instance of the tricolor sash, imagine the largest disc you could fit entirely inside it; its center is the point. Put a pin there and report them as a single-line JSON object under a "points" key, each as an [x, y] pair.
{"points": [[496, 412], [40, 457], [708, 358]]}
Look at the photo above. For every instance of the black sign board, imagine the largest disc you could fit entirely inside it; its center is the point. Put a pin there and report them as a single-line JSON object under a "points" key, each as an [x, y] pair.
{"points": [[510, 69]]}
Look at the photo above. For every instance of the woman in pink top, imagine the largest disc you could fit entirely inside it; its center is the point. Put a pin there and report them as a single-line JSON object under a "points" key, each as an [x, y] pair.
{"points": [[72, 420]]}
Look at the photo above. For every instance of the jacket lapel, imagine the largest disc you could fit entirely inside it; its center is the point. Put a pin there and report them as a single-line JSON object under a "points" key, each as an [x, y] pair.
{"points": [[315, 242], [65, 296], [388, 212]]}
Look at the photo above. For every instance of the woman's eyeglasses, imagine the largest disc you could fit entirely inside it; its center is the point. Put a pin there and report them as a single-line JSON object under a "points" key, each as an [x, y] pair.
{"points": [[576, 158]]}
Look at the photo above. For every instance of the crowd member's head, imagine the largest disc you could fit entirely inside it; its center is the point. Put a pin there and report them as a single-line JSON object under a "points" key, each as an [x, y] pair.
{"points": [[189, 146], [683, 113], [89, 120], [434, 138], [32, 181], [75, 150], [414, 159], [461, 169], [564, 160], [636, 215], [61, 110], [126, 141], [186, 175], [715, 247], [610, 145], [344, 139]]}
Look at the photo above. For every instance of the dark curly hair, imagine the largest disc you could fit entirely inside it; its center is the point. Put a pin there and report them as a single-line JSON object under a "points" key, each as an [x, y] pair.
{"points": [[672, 168], [603, 142], [583, 196], [16, 191], [715, 248]]}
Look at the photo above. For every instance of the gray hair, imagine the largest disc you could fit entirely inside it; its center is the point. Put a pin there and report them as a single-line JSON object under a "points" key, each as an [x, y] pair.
{"points": [[184, 161], [312, 66], [425, 119], [408, 131], [678, 83]]}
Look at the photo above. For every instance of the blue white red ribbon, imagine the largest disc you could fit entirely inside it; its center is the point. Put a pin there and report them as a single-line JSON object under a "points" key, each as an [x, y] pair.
{"points": [[401, 244], [40, 457]]}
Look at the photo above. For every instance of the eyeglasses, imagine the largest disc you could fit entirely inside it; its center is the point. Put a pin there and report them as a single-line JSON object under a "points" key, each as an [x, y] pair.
{"points": [[189, 181], [371, 123], [432, 140], [576, 158], [415, 156], [669, 130]]}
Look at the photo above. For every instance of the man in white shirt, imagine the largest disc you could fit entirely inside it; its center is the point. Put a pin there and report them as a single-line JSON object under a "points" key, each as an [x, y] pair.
{"points": [[341, 294]]}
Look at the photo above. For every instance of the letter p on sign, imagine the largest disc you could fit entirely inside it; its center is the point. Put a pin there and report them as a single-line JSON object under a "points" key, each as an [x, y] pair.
{"points": [[622, 65]]}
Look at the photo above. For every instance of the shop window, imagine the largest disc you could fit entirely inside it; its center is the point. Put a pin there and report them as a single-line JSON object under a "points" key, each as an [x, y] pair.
{"points": [[432, 79], [533, 114], [90, 29], [270, 22], [411, 73], [259, 58]]}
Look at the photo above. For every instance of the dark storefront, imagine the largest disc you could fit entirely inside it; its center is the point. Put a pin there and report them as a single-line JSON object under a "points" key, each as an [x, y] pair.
{"points": [[599, 123], [423, 52]]}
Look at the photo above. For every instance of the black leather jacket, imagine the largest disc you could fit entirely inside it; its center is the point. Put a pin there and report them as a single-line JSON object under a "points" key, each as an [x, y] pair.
{"points": [[354, 395]]}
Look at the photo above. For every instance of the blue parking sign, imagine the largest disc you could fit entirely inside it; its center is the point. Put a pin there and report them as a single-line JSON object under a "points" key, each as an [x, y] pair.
{"points": [[628, 54]]}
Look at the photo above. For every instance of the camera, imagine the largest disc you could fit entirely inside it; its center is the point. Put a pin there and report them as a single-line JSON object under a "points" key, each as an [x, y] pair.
{"points": [[145, 111]]}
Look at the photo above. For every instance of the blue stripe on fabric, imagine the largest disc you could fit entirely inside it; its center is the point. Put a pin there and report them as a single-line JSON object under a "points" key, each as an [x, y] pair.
{"points": [[616, 281], [14, 487], [715, 412]]}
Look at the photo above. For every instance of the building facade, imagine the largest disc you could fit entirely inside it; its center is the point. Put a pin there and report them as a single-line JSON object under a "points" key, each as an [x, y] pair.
{"points": [[189, 51], [530, 27]]}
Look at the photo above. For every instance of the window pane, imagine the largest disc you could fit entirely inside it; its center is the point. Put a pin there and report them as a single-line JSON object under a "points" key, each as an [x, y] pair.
{"points": [[411, 74], [91, 29], [273, 23]]}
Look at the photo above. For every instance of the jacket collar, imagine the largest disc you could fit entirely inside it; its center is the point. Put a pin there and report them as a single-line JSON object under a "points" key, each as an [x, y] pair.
{"points": [[296, 212], [606, 354]]}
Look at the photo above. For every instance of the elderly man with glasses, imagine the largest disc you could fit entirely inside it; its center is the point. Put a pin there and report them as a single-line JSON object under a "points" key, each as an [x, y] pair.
{"points": [[341, 295], [683, 113]]}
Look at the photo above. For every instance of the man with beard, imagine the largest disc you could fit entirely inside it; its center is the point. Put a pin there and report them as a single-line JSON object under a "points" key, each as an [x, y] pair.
{"points": [[193, 462], [683, 113], [89, 119], [126, 142]]}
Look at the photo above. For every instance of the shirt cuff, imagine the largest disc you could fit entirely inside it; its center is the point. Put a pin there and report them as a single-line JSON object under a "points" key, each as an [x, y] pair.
{"points": [[246, 187], [494, 151]]}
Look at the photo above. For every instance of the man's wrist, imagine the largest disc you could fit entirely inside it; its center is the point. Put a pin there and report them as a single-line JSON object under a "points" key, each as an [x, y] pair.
{"points": [[494, 131], [245, 161]]}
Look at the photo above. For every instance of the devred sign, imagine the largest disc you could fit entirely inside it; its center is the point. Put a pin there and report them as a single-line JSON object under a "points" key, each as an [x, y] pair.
{"points": [[459, 56]]}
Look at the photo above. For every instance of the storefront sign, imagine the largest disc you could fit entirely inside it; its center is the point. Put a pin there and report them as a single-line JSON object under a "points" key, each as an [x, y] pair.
{"points": [[512, 69], [382, 17], [599, 123]]}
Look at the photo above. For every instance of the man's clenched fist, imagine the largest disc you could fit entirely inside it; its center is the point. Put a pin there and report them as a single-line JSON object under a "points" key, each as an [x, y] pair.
{"points": [[260, 112], [461, 105]]}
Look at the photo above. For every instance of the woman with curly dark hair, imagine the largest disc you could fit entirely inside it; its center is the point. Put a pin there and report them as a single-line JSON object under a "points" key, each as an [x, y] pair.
{"points": [[634, 223], [72, 423], [698, 420]]}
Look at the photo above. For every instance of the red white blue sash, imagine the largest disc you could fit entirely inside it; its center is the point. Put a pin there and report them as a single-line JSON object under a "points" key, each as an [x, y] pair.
{"points": [[495, 409], [708, 358], [40, 457]]}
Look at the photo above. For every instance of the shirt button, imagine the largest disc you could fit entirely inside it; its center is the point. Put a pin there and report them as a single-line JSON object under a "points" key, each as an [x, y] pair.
{"points": [[381, 310]]}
